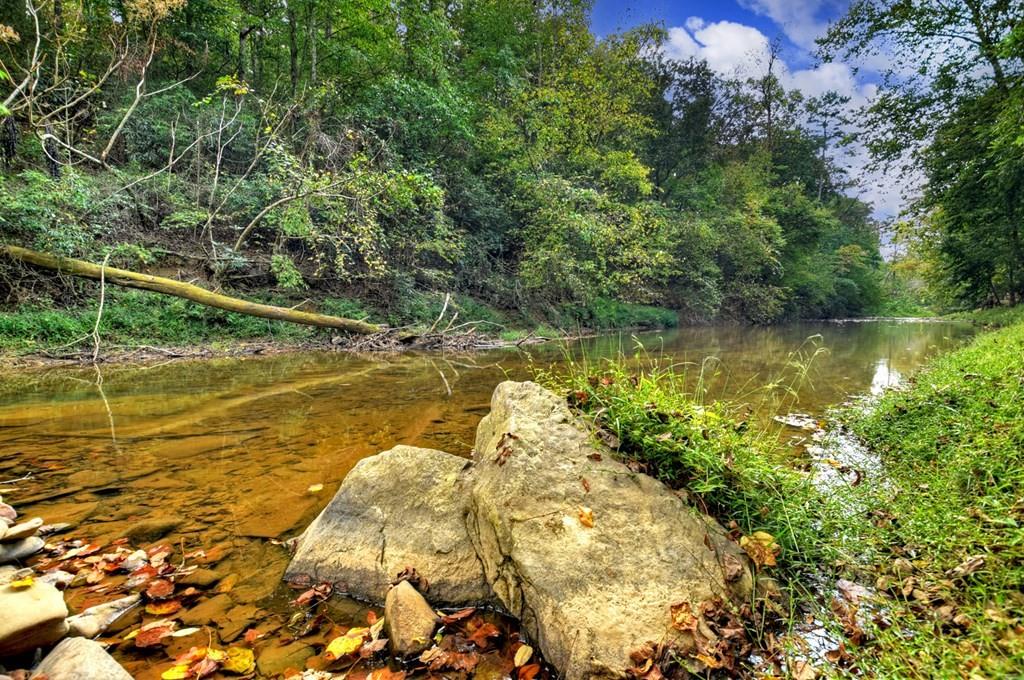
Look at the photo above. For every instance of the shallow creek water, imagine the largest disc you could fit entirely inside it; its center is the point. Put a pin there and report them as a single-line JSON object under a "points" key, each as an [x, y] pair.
{"points": [[229, 449]]}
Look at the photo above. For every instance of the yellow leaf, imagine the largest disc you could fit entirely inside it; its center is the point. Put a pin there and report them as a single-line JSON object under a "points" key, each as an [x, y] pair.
{"points": [[216, 655], [761, 548], [176, 672], [240, 661], [22, 582], [523, 655], [346, 644], [315, 488]]}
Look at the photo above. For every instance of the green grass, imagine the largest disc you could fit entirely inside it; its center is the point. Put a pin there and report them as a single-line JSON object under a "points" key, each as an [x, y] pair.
{"points": [[992, 317], [952, 443]]}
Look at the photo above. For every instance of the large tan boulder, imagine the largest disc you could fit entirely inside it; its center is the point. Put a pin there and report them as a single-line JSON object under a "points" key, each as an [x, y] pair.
{"points": [[401, 509], [588, 554]]}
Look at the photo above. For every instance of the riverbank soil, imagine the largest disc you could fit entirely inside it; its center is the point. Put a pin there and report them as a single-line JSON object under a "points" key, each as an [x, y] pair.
{"points": [[941, 534]]}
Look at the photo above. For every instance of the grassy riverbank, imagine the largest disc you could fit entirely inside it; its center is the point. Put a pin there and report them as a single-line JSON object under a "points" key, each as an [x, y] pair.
{"points": [[942, 532], [936, 534]]}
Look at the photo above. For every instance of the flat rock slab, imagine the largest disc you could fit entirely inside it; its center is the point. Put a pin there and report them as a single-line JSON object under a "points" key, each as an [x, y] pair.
{"points": [[79, 659], [403, 508]]}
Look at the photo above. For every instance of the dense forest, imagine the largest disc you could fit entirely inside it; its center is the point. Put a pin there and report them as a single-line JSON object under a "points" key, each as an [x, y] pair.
{"points": [[392, 152]]}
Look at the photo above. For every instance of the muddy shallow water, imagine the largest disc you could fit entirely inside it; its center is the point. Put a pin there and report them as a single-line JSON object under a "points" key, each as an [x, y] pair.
{"points": [[226, 451]]}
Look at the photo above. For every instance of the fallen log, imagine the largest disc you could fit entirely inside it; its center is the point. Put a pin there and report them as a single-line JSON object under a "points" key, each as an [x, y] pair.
{"points": [[159, 284]]}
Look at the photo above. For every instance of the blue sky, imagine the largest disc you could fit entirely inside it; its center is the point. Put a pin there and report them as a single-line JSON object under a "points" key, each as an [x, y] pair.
{"points": [[733, 36]]}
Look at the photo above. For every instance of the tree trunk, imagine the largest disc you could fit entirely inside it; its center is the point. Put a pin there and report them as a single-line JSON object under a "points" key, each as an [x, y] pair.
{"points": [[159, 284]]}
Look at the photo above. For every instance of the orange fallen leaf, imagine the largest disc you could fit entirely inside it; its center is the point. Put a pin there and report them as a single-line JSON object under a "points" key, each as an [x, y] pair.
{"points": [[586, 516], [163, 608]]}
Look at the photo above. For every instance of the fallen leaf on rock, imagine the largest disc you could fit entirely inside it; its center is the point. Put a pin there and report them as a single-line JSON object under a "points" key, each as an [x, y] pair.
{"points": [[227, 583], [346, 644], [252, 635], [586, 516], [203, 667], [682, 617], [25, 582], [240, 660], [523, 655]]}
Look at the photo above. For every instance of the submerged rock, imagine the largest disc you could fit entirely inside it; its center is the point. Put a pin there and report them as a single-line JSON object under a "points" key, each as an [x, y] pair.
{"points": [[409, 620], [19, 550], [79, 659], [588, 554], [152, 530], [95, 620], [400, 509], [31, 617]]}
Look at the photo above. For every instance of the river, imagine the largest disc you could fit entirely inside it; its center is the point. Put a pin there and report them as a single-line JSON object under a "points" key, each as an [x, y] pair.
{"points": [[233, 451]]}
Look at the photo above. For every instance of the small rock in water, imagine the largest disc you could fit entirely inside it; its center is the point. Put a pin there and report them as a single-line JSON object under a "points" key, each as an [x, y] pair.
{"points": [[409, 619], [19, 550], [79, 659], [152, 530], [8, 513], [23, 530], [200, 577], [32, 617], [51, 529], [96, 620]]}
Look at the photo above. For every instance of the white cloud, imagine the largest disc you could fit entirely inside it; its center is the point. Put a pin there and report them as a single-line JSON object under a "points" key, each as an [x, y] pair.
{"points": [[741, 51], [730, 48]]}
